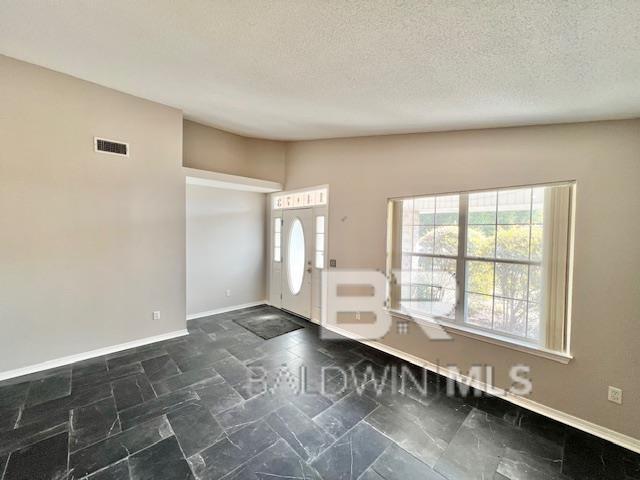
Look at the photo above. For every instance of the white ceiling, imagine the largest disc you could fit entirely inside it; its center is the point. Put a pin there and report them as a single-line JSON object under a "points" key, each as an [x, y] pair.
{"points": [[301, 69]]}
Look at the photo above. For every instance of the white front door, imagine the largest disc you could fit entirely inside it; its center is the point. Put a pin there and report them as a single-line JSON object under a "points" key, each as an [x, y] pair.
{"points": [[297, 232]]}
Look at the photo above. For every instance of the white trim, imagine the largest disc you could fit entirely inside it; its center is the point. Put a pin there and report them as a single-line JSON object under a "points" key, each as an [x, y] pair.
{"points": [[226, 309], [620, 439], [62, 361], [206, 178], [486, 336]]}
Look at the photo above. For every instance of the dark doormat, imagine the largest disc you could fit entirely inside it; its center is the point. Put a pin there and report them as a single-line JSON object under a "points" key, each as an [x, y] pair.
{"points": [[268, 325]]}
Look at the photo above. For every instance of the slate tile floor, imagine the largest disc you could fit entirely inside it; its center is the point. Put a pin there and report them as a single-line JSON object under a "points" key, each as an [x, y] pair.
{"points": [[188, 408]]}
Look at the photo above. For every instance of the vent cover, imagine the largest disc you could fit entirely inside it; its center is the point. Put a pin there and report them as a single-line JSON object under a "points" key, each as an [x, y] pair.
{"points": [[111, 146]]}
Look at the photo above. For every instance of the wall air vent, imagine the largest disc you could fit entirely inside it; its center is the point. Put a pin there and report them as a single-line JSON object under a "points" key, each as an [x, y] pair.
{"points": [[103, 145]]}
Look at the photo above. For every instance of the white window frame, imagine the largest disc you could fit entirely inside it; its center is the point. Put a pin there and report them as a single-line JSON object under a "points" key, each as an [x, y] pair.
{"points": [[460, 325], [320, 239], [277, 239]]}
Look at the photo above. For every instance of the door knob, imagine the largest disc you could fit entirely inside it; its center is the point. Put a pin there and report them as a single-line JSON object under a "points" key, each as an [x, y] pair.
{"points": [[309, 270]]}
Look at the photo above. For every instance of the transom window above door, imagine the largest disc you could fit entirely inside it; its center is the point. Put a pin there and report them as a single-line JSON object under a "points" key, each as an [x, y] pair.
{"points": [[495, 262]]}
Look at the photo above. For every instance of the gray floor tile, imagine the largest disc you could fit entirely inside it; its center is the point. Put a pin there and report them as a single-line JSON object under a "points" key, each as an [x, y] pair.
{"points": [[13, 394], [497, 407], [516, 465], [277, 461], [299, 431], [589, 458], [249, 411], [371, 474], [210, 325], [98, 378], [229, 338], [117, 471], [480, 443], [408, 435], [46, 459], [233, 451], [398, 464], [4, 459], [311, 404], [56, 411], [344, 414], [232, 370], [311, 355], [21, 437], [540, 425], [352, 454], [283, 342], [49, 388], [119, 447], [131, 391], [286, 426], [201, 360], [8, 418], [127, 357], [277, 361], [88, 368], [340, 353], [156, 407], [92, 423], [218, 397], [251, 388], [195, 428], [159, 368], [162, 461], [439, 417], [192, 378], [247, 353], [183, 350]]}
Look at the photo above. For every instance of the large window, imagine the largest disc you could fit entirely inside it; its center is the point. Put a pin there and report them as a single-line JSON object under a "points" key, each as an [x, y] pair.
{"points": [[495, 262]]}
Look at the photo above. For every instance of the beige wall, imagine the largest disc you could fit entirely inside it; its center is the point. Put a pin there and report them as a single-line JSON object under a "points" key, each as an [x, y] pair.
{"points": [[207, 148], [90, 244], [225, 248], [604, 159]]}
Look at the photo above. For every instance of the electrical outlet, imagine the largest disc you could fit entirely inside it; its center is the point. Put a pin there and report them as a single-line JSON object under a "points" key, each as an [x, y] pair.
{"points": [[227, 293], [615, 395], [156, 315]]}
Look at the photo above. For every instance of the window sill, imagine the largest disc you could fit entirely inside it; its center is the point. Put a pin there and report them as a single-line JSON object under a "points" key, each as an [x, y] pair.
{"points": [[513, 344]]}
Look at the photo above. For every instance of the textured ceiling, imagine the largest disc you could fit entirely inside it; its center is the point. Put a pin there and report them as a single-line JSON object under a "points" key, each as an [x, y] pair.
{"points": [[301, 69]]}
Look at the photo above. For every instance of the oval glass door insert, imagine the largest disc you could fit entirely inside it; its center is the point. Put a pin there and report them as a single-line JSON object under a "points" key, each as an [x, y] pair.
{"points": [[295, 257]]}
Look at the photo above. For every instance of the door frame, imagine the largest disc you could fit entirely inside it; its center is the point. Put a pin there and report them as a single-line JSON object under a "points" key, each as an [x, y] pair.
{"points": [[275, 273]]}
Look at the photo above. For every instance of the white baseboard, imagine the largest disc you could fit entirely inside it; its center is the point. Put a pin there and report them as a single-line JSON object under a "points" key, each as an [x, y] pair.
{"points": [[225, 309], [60, 362], [562, 417]]}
